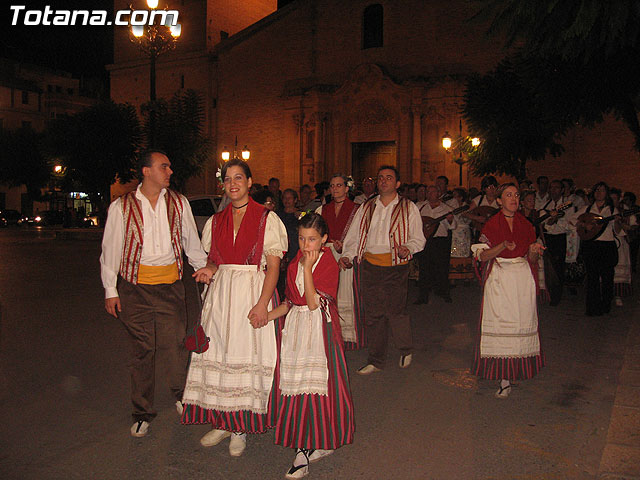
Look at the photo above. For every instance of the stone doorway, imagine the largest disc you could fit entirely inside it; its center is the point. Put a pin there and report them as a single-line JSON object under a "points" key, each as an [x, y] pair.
{"points": [[367, 157]]}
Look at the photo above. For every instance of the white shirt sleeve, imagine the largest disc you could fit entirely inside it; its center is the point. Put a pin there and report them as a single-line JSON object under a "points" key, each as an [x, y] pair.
{"points": [[112, 242], [275, 237], [190, 238], [416, 240], [351, 239], [206, 235]]}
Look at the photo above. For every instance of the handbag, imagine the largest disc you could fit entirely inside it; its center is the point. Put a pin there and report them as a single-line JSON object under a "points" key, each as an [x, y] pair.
{"points": [[196, 340]]}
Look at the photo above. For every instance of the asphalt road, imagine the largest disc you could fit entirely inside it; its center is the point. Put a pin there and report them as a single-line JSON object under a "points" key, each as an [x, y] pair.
{"points": [[64, 393]]}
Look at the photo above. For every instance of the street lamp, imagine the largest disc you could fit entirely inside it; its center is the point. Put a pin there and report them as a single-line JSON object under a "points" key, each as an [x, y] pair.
{"points": [[463, 144], [154, 40], [245, 153]]}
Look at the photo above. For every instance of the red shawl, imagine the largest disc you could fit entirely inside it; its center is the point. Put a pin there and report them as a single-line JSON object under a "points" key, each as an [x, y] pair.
{"points": [[247, 248], [497, 230], [325, 279], [339, 225]]}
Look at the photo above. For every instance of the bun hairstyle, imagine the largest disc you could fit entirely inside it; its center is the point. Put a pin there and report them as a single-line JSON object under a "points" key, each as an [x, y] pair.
{"points": [[313, 220]]}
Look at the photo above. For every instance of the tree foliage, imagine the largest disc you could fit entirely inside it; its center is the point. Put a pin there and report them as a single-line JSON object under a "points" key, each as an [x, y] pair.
{"points": [[575, 62], [98, 146], [179, 133]]}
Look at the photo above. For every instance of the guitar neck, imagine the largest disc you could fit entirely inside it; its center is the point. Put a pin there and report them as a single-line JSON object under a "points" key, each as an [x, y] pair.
{"points": [[626, 213], [452, 212]]}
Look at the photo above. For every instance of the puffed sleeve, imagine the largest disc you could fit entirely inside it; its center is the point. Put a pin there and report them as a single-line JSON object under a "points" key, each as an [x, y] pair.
{"points": [[275, 237], [206, 235]]}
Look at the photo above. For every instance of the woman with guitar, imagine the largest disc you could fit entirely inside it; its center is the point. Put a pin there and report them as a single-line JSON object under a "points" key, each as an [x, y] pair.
{"points": [[508, 345], [599, 248], [484, 205]]}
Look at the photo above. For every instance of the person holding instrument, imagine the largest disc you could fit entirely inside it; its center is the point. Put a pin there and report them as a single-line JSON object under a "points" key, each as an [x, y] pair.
{"points": [[508, 344], [600, 253]]}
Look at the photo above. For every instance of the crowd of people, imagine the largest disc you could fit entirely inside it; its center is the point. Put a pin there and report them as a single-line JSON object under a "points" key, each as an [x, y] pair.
{"points": [[295, 278]]}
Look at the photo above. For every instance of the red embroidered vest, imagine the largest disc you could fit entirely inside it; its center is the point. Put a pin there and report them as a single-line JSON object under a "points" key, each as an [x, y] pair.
{"points": [[134, 232]]}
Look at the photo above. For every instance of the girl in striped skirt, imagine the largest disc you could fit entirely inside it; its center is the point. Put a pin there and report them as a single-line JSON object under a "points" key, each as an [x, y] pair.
{"points": [[315, 410], [508, 346]]}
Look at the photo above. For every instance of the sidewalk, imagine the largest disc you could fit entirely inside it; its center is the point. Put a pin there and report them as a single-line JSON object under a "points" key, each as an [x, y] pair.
{"points": [[621, 454]]}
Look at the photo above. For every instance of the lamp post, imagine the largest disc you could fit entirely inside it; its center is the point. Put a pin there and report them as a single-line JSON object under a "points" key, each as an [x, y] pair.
{"points": [[462, 144], [154, 40], [245, 153]]}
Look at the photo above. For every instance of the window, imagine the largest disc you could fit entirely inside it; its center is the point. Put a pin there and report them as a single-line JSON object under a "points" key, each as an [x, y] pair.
{"points": [[372, 26], [25, 98]]}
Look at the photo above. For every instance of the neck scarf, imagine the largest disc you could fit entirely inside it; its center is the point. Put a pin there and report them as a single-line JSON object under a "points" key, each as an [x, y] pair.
{"points": [[338, 226]]}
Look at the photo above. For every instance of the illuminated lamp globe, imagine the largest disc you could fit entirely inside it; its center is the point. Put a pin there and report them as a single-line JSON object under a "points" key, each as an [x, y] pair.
{"points": [[152, 3], [475, 141], [446, 141], [245, 153], [137, 30], [175, 30], [225, 155]]}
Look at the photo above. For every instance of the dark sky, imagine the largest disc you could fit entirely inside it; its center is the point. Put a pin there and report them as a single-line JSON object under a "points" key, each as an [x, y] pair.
{"points": [[79, 49]]}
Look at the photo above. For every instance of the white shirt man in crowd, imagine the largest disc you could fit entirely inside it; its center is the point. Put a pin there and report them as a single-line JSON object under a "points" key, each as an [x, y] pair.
{"points": [[146, 233], [386, 231]]}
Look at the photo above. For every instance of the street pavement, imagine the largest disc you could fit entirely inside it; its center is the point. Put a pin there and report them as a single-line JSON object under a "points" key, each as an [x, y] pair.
{"points": [[64, 392]]}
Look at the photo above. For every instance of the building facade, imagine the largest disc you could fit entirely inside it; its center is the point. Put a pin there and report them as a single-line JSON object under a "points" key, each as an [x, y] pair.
{"points": [[321, 86]]}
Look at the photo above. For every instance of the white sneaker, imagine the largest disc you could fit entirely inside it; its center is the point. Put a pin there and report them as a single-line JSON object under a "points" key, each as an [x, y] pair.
{"points": [[214, 437], [300, 466], [140, 429], [237, 444], [503, 392], [315, 455], [179, 408], [405, 360], [618, 302], [369, 369]]}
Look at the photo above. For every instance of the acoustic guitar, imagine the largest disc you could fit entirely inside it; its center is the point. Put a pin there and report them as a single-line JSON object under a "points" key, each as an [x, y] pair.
{"points": [[430, 224], [559, 209], [486, 212], [591, 225]]}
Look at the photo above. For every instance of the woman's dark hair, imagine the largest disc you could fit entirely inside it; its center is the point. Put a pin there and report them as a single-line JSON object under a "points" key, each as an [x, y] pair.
{"points": [[236, 162], [607, 200], [464, 196], [488, 181], [313, 220], [261, 196], [503, 187]]}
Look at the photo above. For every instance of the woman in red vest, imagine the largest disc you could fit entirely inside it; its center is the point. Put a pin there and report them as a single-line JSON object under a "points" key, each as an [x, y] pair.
{"points": [[230, 385]]}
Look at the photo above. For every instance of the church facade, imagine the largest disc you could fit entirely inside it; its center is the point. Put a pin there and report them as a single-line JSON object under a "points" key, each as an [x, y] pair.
{"points": [[324, 86]]}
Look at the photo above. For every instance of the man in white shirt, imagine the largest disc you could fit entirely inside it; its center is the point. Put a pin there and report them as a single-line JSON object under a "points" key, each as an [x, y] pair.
{"points": [[146, 233], [434, 259], [542, 195], [384, 234], [555, 239], [368, 191]]}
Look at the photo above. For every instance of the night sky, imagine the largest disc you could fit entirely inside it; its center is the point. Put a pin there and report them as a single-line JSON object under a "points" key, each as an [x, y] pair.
{"points": [[81, 50]]}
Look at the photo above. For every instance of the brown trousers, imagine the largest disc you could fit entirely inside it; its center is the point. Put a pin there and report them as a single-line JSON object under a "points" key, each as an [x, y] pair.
{"points": [[384, 295], [155, 318]]}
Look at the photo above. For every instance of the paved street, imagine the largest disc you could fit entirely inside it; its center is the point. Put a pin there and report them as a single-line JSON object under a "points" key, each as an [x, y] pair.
{"points": [[64, 393]]}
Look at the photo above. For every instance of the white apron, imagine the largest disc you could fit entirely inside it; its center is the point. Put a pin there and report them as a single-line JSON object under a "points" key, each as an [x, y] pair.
{"points": [[236, 372], [509, 314], [345, 301]]}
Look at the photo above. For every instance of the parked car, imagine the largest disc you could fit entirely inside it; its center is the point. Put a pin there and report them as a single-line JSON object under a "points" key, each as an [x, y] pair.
{"points": [[9, 217], [203, 206], [48, 217]]}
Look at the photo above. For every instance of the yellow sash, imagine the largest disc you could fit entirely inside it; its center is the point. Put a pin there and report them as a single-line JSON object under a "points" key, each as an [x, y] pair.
{"points": [[156, 275]]}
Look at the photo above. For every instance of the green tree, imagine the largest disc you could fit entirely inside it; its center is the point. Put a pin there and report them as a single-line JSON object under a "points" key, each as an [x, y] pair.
{"points": [[575, 62], [179, 133], [22, 161], [98, 147]]}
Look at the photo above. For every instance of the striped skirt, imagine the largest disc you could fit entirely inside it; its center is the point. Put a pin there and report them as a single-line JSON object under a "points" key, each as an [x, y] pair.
{"points": [[358, 312], [241, 421], [319, 421]]}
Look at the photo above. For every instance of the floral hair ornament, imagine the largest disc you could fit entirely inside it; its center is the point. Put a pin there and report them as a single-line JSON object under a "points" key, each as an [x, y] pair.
{"points": [[219, 177], [350, 182], [302, 214]]}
